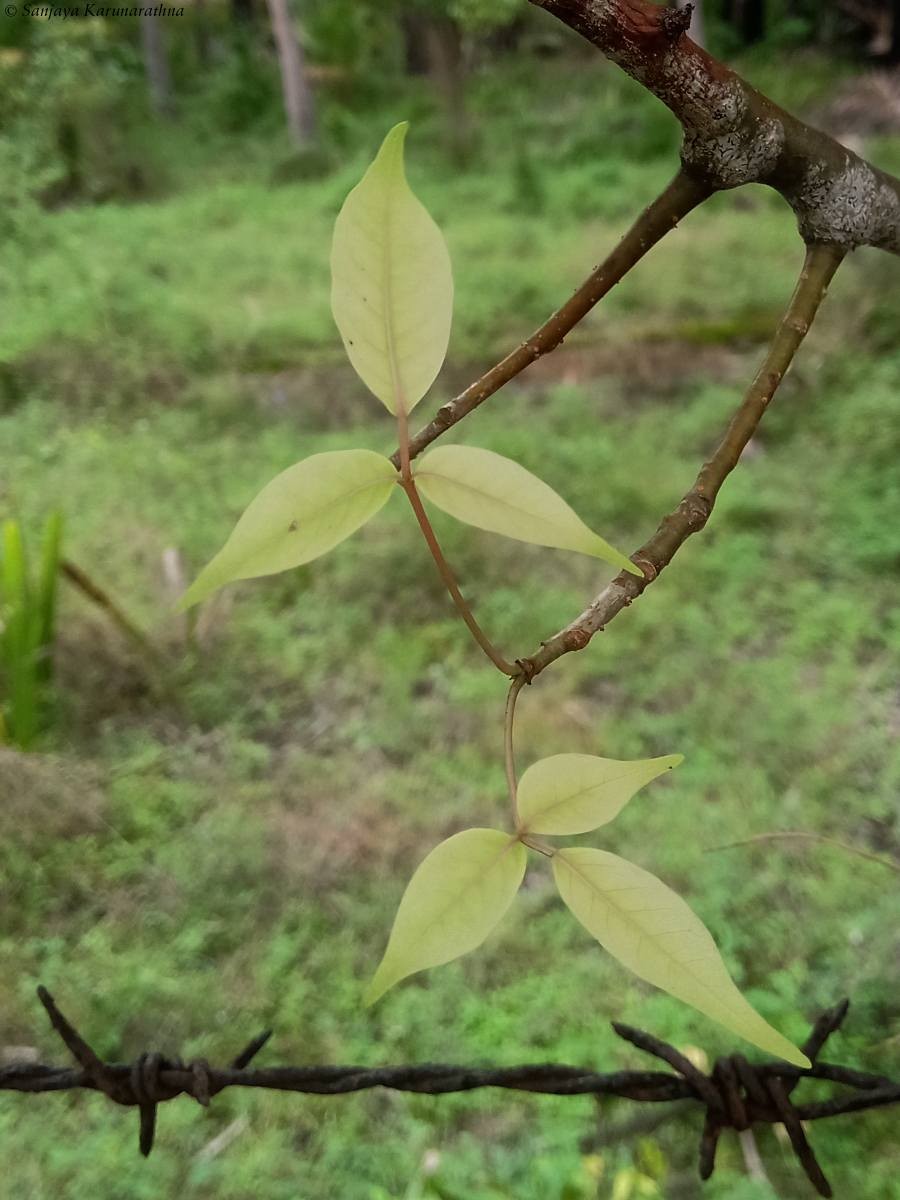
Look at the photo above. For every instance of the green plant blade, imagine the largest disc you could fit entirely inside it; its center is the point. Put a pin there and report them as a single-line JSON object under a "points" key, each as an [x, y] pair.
{"points": [[494, 493], [651, 930], [47, 587], [456, 897], [574, 793], [301, 514], [391, 282], [16, 588], [19, 632]]}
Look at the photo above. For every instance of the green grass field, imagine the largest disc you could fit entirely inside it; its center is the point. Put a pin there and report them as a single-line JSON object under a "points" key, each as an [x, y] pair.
{"points": [[190, 860]]}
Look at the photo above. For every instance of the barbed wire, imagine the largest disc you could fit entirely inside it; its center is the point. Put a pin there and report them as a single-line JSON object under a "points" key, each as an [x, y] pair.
{"points": [[735, 1094]]}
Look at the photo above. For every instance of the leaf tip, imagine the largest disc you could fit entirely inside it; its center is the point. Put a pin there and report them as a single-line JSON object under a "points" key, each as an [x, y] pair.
{"points": [[395, 137], [797, 1058], [191, 597]]}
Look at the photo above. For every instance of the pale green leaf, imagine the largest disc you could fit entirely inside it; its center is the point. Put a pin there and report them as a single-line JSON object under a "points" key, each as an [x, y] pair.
{"points": [[391, 282], [302, 513], [494, 493], [651, 930], [574, 793], [451, 904]]}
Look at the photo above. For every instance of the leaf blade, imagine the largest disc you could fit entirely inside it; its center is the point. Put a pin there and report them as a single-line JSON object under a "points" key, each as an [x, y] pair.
{"points": [[491, 492], [653, 932], [575, 793], [392, 282], [455, 898], [299, 515]]}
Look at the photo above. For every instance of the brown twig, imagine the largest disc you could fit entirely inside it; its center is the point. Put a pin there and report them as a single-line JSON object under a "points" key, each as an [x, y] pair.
{"points": [[734, 1095], [98, 596], [695, 508], [681, 196], [798, 836], [408, 483], [509, 758]]}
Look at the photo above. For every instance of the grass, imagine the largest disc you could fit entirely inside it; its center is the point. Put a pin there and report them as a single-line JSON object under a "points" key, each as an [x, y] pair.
{"points": [[182, 871]]}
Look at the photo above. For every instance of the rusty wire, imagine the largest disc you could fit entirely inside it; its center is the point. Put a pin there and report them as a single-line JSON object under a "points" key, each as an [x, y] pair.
{"points": [[735, 1094]]}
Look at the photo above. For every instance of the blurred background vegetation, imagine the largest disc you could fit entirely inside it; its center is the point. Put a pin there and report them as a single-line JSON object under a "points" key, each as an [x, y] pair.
{"points": [[213, 823]]}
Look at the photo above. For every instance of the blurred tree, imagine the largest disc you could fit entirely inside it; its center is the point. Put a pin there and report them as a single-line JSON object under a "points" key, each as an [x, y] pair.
{"points": [[435, 33], [446, 67], [299, 106], [156, 64], [201, 33], [414, 25]]}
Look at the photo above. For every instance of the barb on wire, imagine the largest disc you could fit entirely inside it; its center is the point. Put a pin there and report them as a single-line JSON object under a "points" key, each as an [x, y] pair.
{"points": [[735, 1094]]}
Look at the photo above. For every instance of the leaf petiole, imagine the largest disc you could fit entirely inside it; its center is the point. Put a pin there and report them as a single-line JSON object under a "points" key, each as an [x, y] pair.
{"points": [[534, 843], [509, 758], [408, 483]]}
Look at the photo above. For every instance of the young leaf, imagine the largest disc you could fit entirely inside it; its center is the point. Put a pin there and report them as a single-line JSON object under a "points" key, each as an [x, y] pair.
{"points": [[574, 793], [651, 930], [453, 901], [494, 493], [392, 286], [302, 513]]}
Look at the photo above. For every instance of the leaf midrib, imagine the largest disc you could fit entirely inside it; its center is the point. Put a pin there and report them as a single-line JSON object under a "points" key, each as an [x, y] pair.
{"points": [[312, 514], [575, 796], [506, 504], [666, 953]]}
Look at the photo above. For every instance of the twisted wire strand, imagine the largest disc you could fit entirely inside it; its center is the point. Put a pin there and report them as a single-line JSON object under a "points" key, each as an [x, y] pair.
{"points": [[735, 1094]]}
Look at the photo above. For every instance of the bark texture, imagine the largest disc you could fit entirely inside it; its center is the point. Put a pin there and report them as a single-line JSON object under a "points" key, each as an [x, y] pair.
{"points": [[734, 135], [698, 24]]}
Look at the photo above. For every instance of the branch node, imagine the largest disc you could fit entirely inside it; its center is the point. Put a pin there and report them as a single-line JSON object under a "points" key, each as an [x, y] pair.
{"points": [[527, 669], [649, 568], [675, 22], [576, 639]]}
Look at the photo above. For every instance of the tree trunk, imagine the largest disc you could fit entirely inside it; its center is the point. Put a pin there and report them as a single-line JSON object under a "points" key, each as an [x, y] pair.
{"points": [[299, 107], [445, 65], [697, 30], [895, 32], [156, 64], [415, 42]]}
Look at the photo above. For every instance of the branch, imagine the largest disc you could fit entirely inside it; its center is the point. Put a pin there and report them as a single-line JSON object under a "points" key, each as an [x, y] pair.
{"points": [[695, 508], [681, 196], [735, 1095], [734, 135], [820, 838], [445, 571]]}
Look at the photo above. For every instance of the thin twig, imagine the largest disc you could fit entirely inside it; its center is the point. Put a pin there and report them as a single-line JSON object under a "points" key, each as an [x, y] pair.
{"points": [[98, 596], [408, 483], [681, 196], [509, 757], [796, 835], [691, 515]]}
